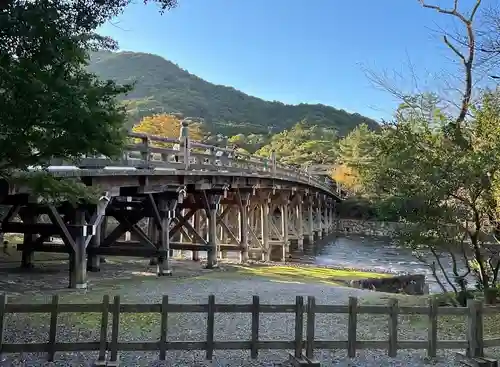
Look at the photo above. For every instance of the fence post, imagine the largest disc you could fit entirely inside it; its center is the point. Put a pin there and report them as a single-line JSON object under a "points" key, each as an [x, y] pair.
{"points": [[115, 329], [3, 304], [210, 327], [254, 351], [393, 327], [311, 320], [475, 329], [433, 328], [163, 328], [352, 324], [299, 326], [103, 338], [53, 327]]}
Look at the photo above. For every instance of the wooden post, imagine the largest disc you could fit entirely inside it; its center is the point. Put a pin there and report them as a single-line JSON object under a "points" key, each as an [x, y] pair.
{"points": [[182, 238], [284, 230], [352, 324], [254, 347], [104, 231], [184, 142], [197, 227], [103, 337], [475, 329], [53, 328], [115, 329], [166, 215], [210, 327], [28, 217], [393, 327], [299, 326], [243, 227], [264, 226], [299, 211], [153, 235], [78, 263], [325, 221], [3, 319], [334, 219], [310, 326], [319, 219], [128, 235], [94, 261], [310, 222], [212, 231], [433, 327]]}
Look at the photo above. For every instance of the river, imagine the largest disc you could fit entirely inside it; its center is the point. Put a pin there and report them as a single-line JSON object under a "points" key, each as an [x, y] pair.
{"points": [[376, 254]]}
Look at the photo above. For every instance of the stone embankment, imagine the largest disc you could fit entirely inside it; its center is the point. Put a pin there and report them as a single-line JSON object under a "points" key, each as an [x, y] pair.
{"points": [[368, 227]]}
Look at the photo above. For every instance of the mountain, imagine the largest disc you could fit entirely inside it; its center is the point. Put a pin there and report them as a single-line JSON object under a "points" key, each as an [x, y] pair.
{"points": [[161, 86]]}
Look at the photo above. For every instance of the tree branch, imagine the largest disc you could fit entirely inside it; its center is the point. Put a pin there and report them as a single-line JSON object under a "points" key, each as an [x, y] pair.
{"points": [[468, 60]]}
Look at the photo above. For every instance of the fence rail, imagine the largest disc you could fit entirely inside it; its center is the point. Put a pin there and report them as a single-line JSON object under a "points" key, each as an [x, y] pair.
{"points": [[474, 341]]}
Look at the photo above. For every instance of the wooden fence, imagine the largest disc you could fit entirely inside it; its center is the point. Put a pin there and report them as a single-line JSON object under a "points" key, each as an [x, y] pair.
{"points": [[474, 342]]}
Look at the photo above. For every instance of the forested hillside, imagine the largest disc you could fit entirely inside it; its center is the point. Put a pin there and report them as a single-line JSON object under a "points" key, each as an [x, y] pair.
{"points": [[161, 86]]}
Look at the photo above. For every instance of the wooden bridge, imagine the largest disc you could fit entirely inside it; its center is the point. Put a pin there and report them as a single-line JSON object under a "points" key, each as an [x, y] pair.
{"points": [[169, 194]]}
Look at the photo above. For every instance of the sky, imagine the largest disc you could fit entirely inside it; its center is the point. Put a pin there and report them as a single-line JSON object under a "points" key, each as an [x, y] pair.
{"points": [[298, 51]]}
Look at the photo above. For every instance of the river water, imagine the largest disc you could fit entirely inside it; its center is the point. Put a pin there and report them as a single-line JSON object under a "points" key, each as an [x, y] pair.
{"points": [[376, 254]]}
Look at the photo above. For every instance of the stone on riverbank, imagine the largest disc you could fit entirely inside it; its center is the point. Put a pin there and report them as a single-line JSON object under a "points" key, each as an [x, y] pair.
{"points": [[407, 284]]}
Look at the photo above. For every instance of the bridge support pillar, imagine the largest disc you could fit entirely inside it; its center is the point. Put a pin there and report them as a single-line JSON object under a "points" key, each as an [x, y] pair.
{"points": [[163, 216], [264, 226], [319, 218], [324, 218], [244, 206], [310, 222], [94, 260], [197, 221], [211, 210], [77, 257], [225, 224], [333, 217], [153, 235], [299, 212], [284, 231], [29, 217]]}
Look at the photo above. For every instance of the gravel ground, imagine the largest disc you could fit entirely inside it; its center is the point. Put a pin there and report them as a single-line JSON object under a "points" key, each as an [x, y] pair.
{"points": [[229, 288]]}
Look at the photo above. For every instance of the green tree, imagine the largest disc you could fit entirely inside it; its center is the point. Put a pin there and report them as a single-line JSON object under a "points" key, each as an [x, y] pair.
{"points": [[448, 196], [50, 106], [302, 145]]}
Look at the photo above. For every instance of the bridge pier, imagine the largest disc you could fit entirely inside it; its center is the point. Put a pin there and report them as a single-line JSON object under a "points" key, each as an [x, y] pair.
{"points": [[309, 234], [319, 218]]}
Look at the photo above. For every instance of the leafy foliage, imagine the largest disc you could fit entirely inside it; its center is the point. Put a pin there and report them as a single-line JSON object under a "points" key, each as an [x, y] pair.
{"points": [[301, 145], [161, 86], [50, 105], [167, 126], [449, 196]]}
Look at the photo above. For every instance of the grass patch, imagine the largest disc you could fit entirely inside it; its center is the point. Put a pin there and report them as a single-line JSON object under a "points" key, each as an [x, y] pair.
{"points": [[307, 274]]}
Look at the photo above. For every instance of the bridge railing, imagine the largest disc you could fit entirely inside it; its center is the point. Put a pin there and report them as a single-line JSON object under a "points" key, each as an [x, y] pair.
{"points": [[150, 152]]}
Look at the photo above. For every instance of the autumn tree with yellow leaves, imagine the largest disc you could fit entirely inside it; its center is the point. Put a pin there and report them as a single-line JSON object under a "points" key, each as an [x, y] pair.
{"points": [[168, 126]]}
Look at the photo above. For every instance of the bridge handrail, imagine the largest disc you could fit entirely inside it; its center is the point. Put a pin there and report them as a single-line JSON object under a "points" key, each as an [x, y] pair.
{"points": [[144, 151]]}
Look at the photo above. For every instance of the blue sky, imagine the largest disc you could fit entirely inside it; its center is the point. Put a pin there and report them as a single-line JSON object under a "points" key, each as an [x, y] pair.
{"points": [[294, 51]]}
